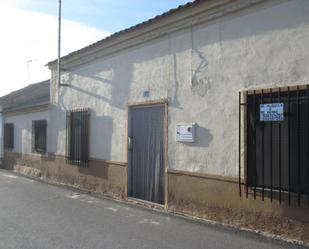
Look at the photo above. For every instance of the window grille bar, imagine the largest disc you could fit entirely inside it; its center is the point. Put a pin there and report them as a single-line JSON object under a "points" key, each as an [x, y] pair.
{"points": [[279, 100], [289, 148], [67, 132], [239, 142], [83, 145], [87, 136], [83, 133], [307, 93], [271, 153], [254, 141], [39, 134], [33, 142], [77, 131], [79, 148], [69, 136], [263, 166], [72, 142], [298, 147], [76, 137], [247, 170], [71, 151], [9, 136], [86, 128], [73, 135], [81, 142]]}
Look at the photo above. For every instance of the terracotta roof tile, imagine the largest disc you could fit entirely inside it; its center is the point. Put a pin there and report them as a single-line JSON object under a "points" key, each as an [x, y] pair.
{"points": [[29, 96], [150, 21]]}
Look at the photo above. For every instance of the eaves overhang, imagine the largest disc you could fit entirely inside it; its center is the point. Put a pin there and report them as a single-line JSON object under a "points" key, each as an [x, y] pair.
{"points": [[27, 109]]}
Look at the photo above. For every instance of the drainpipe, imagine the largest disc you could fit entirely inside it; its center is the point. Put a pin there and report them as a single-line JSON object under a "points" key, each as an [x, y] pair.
{"points": [[1, 137]]}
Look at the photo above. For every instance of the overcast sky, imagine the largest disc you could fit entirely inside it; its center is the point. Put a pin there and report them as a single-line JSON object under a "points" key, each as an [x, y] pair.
{"points": [[29, 31]]}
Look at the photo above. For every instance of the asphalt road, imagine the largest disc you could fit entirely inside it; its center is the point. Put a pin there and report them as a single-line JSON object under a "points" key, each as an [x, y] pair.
{"points": [[38, 215]]}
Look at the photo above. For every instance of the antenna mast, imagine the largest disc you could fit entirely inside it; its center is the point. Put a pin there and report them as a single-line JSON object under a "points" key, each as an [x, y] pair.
{"points": [[59, 44]]}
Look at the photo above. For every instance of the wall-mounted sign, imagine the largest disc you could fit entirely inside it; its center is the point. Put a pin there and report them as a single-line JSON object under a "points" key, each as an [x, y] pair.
{"points": [[185, 133], [272, 112]]}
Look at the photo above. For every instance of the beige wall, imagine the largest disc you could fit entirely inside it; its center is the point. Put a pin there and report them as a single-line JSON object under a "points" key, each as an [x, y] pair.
{"points": [[200, 71], [23, 130], [1, 136]]}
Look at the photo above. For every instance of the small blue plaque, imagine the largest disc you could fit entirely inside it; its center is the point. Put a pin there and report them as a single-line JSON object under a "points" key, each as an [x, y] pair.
{"points": [[146, 94], [272, 112]]}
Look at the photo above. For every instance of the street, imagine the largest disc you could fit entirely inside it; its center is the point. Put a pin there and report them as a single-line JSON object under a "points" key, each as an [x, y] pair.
{"points": [[38, 215]]}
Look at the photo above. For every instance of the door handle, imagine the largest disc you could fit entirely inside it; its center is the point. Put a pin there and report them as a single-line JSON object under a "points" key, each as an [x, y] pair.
{"points": [[130, 143]]}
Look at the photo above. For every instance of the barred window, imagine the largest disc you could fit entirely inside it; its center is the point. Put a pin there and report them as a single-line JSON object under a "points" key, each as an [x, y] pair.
{"points": [[77, 149], [9, 136], [277, 143], [39, 135]]}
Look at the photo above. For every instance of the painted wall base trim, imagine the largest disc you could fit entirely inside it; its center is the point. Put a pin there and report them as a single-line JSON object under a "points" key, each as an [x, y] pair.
{"points": [[203, 175]]}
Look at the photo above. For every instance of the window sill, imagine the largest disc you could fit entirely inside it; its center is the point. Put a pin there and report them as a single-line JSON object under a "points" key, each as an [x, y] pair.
{"points": [[78, 163]]}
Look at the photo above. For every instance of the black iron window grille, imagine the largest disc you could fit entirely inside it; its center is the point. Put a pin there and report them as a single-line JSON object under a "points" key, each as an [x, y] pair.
{"points": [[276, 146], [39, 128], [8, 136], [77, 129]]}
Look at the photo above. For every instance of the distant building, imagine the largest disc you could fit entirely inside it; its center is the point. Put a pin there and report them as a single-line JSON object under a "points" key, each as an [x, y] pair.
{"points": [[203, 110], [22, 110]]}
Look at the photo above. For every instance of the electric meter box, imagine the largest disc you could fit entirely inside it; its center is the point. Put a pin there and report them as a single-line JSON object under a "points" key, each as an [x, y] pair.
{"points": [[185, 133]]}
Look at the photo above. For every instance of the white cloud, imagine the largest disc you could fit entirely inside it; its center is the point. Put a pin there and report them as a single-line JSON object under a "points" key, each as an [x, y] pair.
{"points": [[32, 37], [9, 3]]}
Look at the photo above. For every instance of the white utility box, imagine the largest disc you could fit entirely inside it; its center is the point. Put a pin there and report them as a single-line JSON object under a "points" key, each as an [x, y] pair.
{"points": [[185, 133]]}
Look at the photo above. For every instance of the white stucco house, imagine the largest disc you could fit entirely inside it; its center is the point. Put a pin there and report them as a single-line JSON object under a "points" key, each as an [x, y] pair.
{"points": [[202, 110]]}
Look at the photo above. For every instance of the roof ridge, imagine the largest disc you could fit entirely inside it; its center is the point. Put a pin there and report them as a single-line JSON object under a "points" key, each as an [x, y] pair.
{"points": [[164, 15], [16, 92]]}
